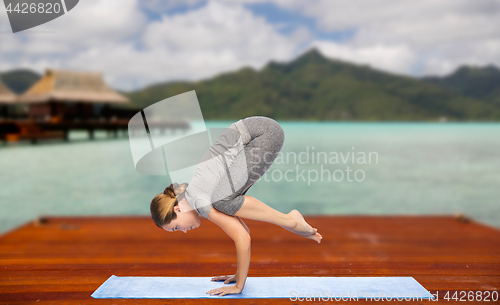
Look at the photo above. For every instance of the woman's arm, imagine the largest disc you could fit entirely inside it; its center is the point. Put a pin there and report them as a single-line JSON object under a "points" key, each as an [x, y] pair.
{"points": [[234, 228]]}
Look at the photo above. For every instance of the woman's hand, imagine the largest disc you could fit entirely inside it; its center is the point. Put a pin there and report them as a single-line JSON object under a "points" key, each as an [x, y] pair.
{"points": [[225, 290], [226, 278]]}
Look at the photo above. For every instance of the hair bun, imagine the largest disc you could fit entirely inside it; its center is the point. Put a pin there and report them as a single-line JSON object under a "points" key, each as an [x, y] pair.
{"points": [[169, 191], [176, 190]]}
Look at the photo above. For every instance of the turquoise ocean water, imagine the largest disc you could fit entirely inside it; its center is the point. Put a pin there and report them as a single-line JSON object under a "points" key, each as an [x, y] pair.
{"points": [[398, 168]]}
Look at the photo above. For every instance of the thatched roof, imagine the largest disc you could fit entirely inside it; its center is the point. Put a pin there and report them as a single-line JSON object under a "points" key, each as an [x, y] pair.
{"points": [[6, 96], [72, 86]]}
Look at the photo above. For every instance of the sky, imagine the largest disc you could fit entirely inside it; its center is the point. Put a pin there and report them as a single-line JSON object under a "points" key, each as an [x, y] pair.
{"points": [[136, 43]]}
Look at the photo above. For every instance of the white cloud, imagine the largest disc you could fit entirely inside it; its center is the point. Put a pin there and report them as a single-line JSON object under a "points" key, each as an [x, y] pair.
{"points": [[215, 38], [162, 6], [440, 34], [199, 44], [91, 23], [229, 33], [116, 37]]}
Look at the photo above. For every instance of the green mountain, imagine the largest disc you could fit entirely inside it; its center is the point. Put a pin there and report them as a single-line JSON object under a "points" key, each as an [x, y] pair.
{"points": [[313, 87], [474, 82], [19, 80]]}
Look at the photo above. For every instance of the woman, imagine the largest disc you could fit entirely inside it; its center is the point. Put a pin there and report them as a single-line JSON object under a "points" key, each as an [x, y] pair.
{"points": [[239, 157]]}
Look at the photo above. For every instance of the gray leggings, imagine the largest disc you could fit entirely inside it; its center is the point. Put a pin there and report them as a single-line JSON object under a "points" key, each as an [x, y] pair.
{"points": [[266, 141]]}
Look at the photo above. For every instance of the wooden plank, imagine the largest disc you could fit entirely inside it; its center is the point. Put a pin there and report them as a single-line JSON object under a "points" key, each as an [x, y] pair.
{"points": [[62, 260]]}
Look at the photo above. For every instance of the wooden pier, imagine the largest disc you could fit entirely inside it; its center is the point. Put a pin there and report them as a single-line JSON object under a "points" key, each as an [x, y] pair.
{"points": [[16, 130], [63, 260]]}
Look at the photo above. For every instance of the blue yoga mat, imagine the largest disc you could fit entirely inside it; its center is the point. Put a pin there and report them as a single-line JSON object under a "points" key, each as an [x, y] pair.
{"points": [[294, 288]]}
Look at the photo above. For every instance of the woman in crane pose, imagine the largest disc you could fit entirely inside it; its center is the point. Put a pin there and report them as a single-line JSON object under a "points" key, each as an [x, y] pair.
{"points": [[238, 158]]}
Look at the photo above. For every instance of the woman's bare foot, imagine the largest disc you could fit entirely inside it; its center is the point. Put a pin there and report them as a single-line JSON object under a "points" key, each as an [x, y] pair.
{"points": [[302, 228]]}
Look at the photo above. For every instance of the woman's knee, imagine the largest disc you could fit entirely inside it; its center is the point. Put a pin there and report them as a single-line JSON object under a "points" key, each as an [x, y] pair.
{"points": [[264, 125], [280, 133], [276, 133]]}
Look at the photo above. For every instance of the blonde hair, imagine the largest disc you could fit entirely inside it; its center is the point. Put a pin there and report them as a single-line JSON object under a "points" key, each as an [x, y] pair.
{"points": [[162, 205]]}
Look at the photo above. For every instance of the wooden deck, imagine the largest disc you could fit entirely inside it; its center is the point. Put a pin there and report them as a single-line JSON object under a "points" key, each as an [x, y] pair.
{"points": [[63, 260], [15, 130]]}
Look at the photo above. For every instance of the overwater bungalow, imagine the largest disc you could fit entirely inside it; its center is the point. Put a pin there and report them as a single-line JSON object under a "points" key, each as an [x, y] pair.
{"points": [[63, 100], [70, 100], [70, 95]]}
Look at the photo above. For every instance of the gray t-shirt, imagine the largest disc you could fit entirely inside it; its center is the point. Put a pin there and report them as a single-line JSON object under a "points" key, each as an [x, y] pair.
{"points": [[222, 170]]}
